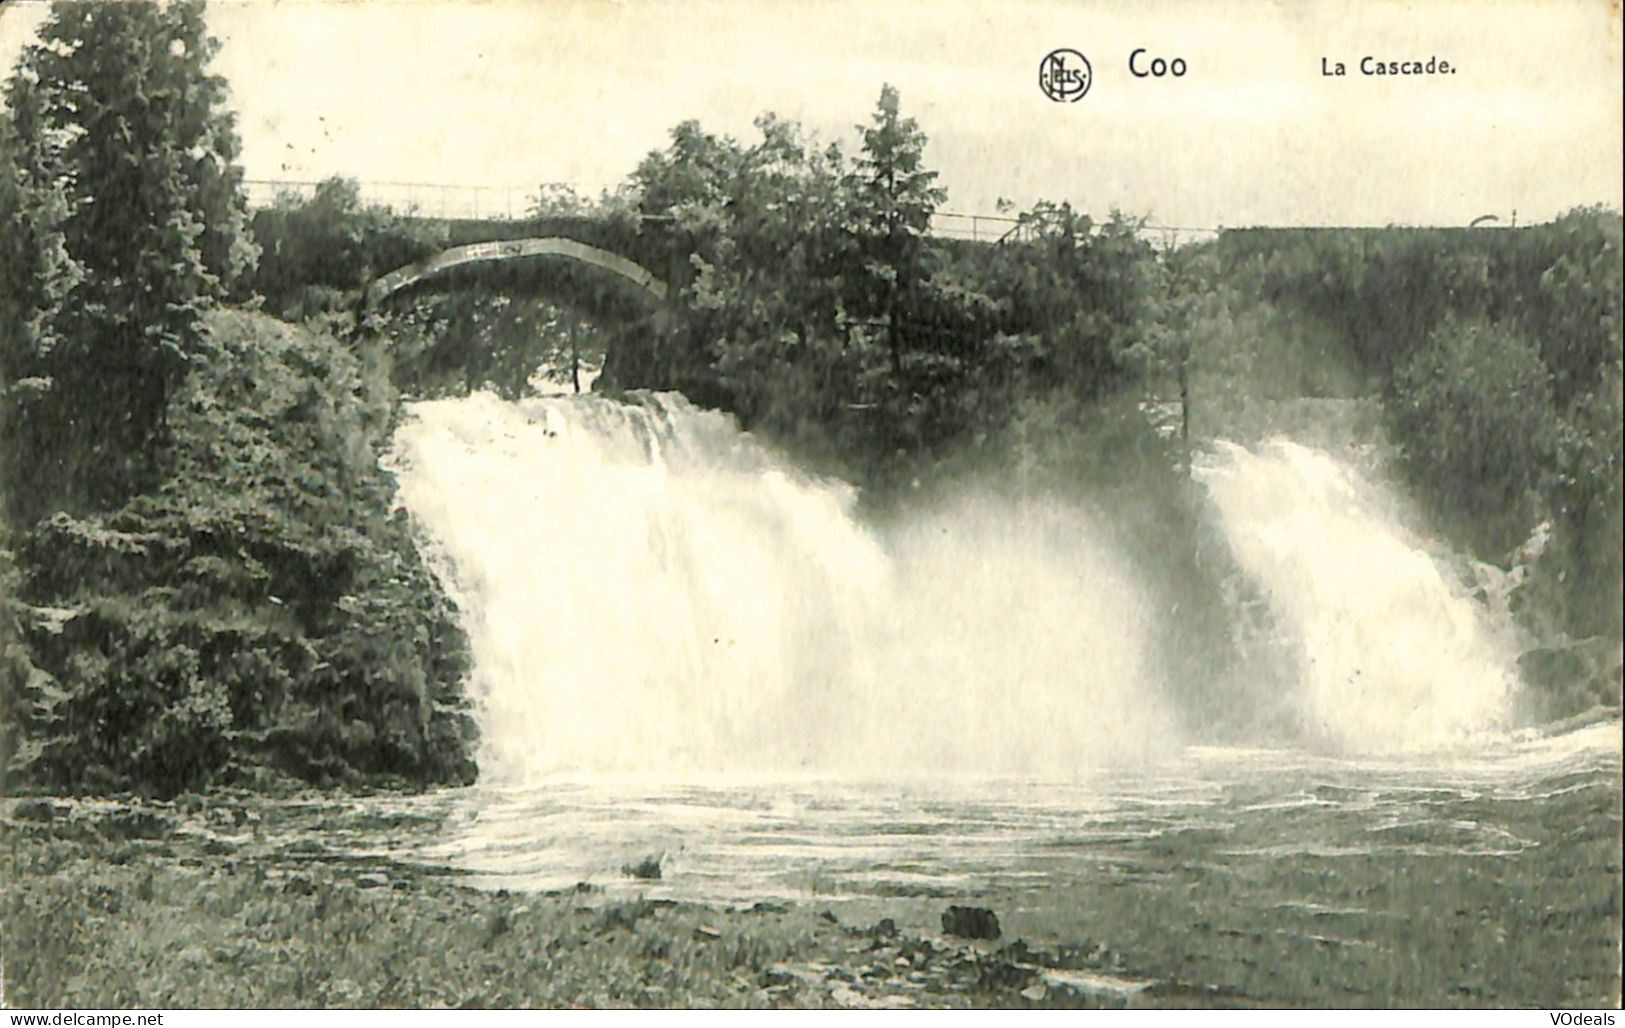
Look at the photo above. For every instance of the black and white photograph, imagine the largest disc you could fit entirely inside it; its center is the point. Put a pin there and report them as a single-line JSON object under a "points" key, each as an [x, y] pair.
{"points": [[649, 504]]}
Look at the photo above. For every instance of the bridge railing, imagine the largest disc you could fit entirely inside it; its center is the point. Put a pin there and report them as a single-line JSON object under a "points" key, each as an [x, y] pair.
{"points": [[985, 228], [424, 199], [513, 203]]}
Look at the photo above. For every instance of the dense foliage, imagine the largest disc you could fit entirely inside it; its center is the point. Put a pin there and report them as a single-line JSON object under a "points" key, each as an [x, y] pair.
{"points": [[820, 309], [1473, 402], [262, 605], [125, 223], [319, 252], [203, 576]]}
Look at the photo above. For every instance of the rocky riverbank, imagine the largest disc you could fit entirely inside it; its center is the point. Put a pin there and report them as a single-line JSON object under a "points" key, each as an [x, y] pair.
{"points": [[109, 904], [230, 900]]}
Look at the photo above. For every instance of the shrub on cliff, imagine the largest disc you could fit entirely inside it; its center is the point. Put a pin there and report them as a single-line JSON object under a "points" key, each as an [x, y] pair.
{"points": [[263, 606]]}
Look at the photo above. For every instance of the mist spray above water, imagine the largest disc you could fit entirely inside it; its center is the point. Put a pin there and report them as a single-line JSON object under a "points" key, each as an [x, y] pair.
{"points": [[1386, 649], [647, 589]]}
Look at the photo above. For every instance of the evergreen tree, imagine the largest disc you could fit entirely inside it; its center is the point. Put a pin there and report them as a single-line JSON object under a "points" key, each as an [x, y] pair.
{"points": [[123, 196], [893, 201]]}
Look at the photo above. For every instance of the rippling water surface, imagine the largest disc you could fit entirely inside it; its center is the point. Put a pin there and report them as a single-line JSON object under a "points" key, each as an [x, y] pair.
{"points": [[832, 839]]}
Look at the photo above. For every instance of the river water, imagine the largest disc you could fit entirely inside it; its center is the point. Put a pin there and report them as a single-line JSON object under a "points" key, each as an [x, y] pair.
{"points": [[830, 839]]}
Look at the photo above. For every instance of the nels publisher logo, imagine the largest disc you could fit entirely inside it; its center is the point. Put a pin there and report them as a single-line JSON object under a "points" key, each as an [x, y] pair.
{"points": [[1064, 75]]}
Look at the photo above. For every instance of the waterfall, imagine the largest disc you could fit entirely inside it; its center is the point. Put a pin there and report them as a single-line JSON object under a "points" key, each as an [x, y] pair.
{"points": [[647, 589], [1387, 649]]}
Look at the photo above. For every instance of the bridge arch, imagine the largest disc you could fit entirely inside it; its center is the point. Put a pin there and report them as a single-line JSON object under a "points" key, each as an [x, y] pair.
{"points": [[507, 250]]}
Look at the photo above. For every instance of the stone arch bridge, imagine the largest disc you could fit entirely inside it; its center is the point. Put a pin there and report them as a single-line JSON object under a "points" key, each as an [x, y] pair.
{"points": [[635, 252], [509, 250]]}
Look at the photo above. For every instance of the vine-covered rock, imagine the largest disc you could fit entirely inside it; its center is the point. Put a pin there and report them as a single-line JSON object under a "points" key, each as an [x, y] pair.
{"points": [[263, 608]]}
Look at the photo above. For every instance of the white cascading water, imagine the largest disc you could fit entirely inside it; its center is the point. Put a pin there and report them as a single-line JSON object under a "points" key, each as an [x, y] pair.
{"points": [[1390, 651], [648, 590]]}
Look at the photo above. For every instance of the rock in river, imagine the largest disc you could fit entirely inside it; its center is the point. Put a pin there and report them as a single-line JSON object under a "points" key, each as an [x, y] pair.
{"points": [[970, 922]]}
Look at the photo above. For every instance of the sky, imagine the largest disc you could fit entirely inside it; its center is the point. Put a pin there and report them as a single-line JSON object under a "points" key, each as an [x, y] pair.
{"points": [[514, 94]]}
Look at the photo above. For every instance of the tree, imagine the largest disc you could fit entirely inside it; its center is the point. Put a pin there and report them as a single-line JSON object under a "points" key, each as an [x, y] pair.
{"points": [[1473, 410], [893, 202], [764, 226], [121, 163], [36, 270], [570, 342], [771, 286], [821, 310]]}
